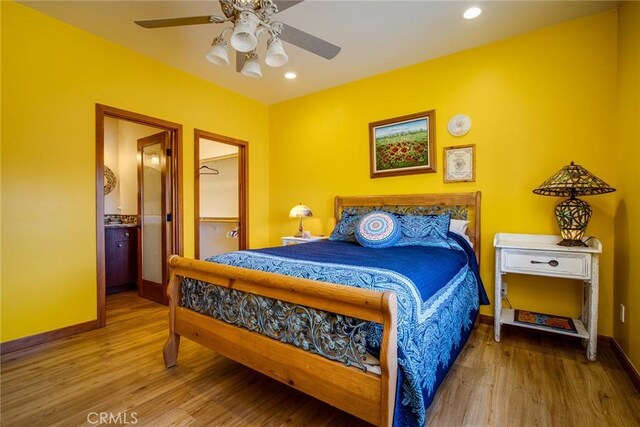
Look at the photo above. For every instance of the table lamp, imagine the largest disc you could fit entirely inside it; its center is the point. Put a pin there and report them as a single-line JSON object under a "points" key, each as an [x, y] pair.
{"points": [[573, 214], [299, 211]]}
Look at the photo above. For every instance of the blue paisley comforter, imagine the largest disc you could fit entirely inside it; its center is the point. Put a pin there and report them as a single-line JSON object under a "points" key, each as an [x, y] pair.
{"points": [[438, 291]]}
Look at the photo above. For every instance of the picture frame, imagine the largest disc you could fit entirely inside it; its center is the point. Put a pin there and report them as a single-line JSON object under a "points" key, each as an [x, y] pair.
{"points": [[460, 163], [403, 145]]}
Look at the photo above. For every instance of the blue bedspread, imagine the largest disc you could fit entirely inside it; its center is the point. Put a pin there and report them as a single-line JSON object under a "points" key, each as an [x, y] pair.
{"points": [[438, 293]]}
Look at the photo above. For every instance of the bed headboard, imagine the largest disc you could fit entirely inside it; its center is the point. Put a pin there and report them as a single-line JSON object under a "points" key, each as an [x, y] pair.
{"points": [[460, 205]]}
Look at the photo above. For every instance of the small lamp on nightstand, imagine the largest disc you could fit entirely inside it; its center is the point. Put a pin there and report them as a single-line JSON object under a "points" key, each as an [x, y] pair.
{"points": [[299, 211], [573, 214]]}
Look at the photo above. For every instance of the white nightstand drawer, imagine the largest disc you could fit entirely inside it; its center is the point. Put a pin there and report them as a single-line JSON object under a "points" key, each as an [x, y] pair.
{"points": [[551, 263]]}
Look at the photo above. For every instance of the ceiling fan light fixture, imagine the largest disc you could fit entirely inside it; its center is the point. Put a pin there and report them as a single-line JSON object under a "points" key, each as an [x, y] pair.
{"points": [[251, 66], [218, 54], [250, 20], [244, 37], [276, 56]]}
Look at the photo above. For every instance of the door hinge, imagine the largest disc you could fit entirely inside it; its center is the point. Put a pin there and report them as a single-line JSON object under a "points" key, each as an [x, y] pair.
{"points": [[168, 152], [169, 217]]}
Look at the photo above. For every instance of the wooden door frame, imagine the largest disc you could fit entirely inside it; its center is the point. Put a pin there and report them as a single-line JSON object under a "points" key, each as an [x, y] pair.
{"points": [[243, 185], [175, 129]]}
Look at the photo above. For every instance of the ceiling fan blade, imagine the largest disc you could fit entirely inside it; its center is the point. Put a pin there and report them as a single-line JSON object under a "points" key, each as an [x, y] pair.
{"points": [[286, 4], [175, 22], [240, 57], [308, 42]]}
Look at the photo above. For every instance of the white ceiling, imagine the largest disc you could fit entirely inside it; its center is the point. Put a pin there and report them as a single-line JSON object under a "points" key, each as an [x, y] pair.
{"points": [[375, 36], [210, 149]]}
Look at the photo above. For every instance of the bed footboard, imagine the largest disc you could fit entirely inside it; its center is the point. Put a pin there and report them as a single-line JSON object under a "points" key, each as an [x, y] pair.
{"points": [[366, 395]]}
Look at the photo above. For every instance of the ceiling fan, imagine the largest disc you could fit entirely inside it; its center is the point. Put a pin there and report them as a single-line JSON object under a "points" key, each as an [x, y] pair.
{"points": [[250, 19]]}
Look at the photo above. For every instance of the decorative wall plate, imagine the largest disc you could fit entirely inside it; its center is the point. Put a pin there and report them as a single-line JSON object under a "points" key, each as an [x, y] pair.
{"points": [[109, 180], [459, 125]]}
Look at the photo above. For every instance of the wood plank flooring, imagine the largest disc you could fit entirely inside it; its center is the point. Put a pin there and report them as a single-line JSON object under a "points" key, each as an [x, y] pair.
{"points": [[118, 372]]}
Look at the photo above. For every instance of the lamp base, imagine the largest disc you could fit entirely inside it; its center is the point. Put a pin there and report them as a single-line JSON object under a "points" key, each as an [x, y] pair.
{"points": [[571, 242], [573, 216], [299, 233]]}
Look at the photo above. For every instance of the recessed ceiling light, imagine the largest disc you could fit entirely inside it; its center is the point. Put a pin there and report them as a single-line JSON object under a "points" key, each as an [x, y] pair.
{"points": [[472, 12], [290, 75]]}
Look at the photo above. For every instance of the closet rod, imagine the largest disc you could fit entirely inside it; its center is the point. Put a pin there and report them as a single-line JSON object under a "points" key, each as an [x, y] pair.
{"points": [[219, 219]]}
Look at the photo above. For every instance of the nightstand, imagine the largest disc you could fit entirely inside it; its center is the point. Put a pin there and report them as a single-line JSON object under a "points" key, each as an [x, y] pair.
{"points": [[540, 255], [291, 240]]}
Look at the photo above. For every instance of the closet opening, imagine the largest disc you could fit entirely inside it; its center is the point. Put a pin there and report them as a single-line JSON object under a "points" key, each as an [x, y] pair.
{"points": [[220, 187]]}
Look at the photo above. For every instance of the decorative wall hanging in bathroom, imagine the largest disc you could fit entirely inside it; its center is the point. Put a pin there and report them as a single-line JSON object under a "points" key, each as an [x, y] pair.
{"points": [[109, 180]]}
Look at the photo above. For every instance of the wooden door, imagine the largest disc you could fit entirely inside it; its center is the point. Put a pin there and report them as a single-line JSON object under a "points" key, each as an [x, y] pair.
{"points": [[155, 241]]}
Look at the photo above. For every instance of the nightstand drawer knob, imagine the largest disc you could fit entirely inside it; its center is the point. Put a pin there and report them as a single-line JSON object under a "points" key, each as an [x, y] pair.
{"points": [[552, 263]]}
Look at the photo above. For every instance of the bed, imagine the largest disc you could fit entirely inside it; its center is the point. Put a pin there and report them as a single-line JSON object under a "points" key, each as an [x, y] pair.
{"points": [[338, 321]]}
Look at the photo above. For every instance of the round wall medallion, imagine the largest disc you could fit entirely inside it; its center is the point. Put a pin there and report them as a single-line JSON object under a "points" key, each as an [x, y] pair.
{"points": [[109, 180], [459, 125]]}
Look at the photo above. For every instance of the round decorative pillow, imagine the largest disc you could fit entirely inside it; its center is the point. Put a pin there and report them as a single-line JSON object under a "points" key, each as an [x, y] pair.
{"points": [[378, 230]]}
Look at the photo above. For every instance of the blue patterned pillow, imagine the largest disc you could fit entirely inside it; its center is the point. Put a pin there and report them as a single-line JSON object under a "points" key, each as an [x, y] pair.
{"points": [[378, 230], [345, 228], [425, 230]]}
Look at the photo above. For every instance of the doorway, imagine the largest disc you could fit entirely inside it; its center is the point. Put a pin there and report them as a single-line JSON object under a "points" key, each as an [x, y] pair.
{"points": [[220, 199], [164, 152]]}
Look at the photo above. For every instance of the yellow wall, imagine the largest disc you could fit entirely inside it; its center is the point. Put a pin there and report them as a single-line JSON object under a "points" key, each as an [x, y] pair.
{"points": [[627, 159], [537, 101], [52, 77]]}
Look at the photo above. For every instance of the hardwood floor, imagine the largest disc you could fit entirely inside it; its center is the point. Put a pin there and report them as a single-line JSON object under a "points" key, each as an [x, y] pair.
{"points": [[118, 372]]}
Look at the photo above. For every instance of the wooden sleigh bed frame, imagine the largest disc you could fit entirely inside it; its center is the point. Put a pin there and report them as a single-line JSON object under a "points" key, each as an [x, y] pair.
{"points": [[330, 381]]}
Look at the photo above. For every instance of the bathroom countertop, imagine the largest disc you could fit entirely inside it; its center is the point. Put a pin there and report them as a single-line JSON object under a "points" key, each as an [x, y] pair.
{"points": [[113, 225]]}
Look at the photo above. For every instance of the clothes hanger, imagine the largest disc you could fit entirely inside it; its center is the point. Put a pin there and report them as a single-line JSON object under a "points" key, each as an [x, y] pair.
{"points": [[207, 168]]}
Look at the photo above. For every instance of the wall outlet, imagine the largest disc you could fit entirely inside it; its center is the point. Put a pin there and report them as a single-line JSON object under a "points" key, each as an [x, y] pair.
{"points": [[622, 313], [503, 290]]}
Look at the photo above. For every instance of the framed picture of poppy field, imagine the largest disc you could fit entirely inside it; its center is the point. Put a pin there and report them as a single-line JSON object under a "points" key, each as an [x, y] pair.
{"points": [[403, 145]]}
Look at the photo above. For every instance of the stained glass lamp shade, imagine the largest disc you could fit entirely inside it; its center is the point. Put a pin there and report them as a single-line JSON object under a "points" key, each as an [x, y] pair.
{"points": [[573, 214], [300, 211]]}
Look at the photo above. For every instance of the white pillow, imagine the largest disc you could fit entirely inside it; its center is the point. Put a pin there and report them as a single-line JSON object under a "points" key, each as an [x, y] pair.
{"points": [[459, 226]]}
